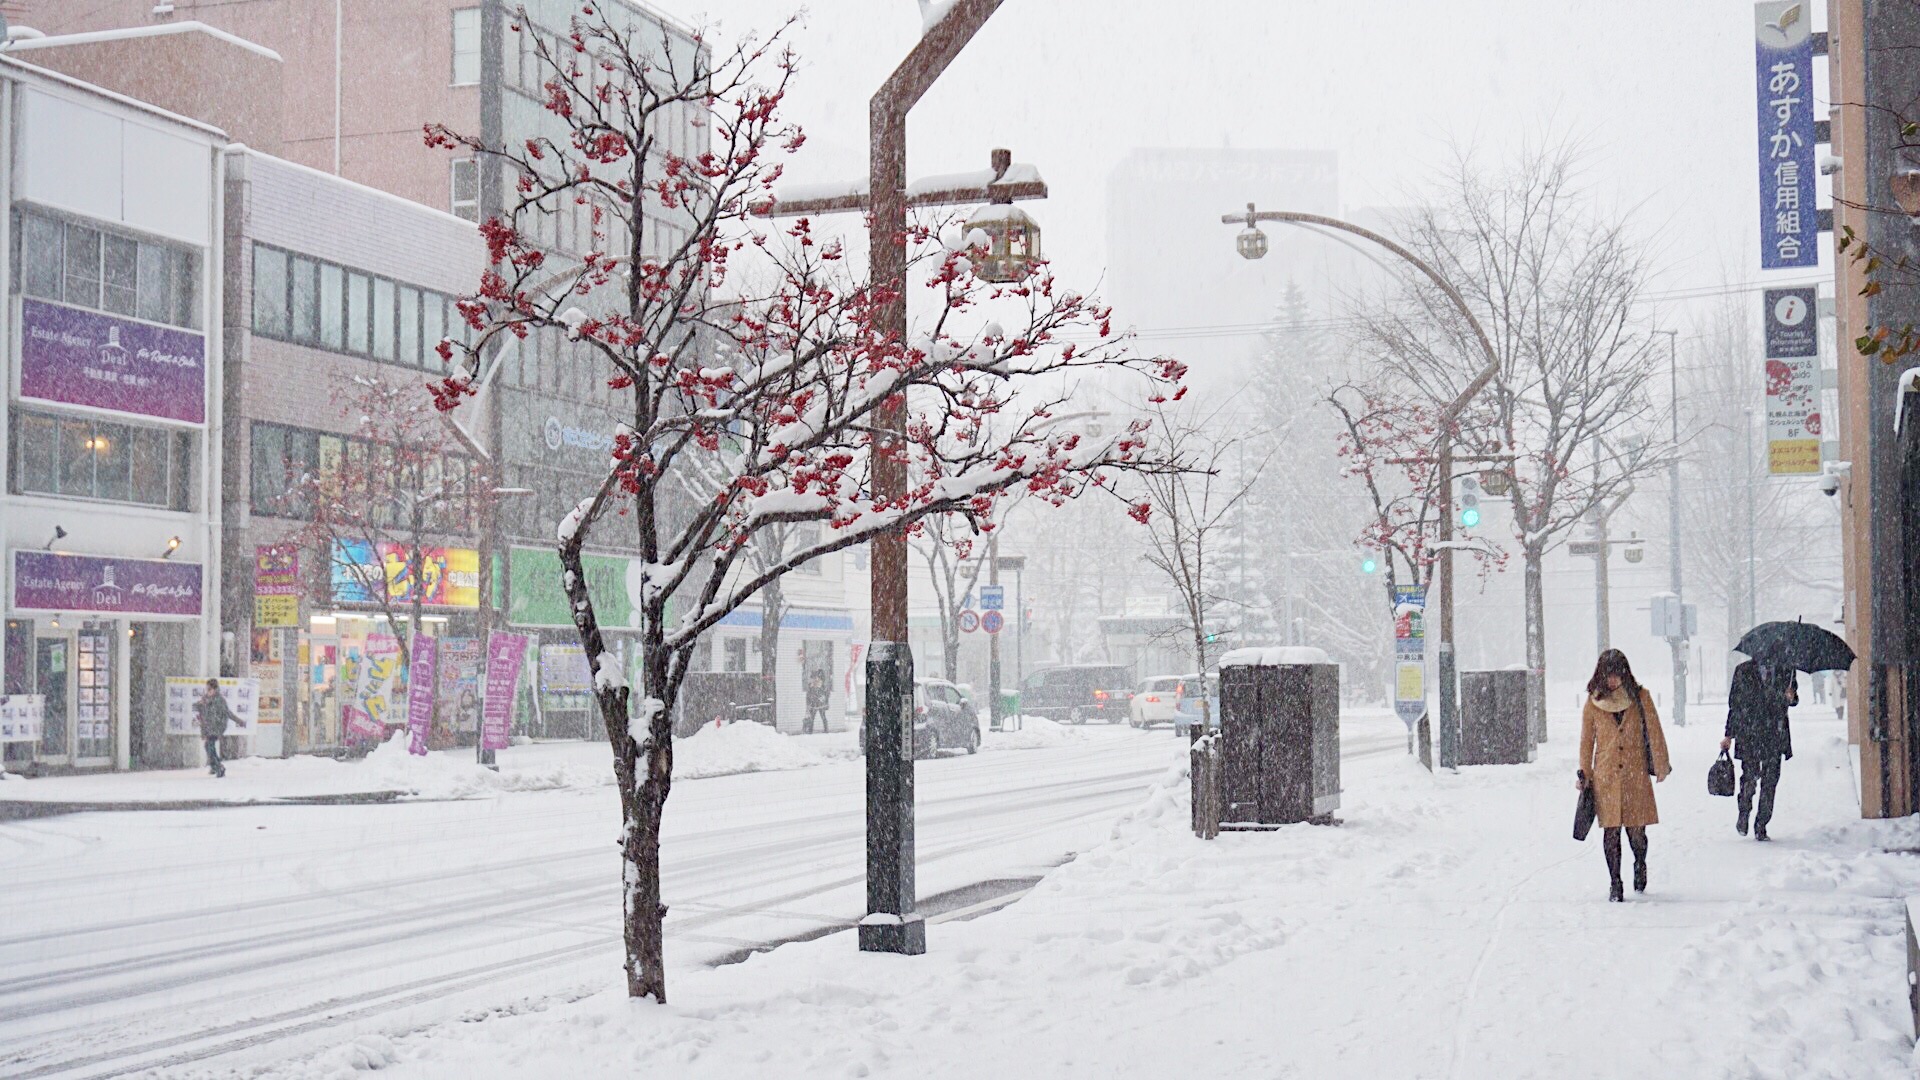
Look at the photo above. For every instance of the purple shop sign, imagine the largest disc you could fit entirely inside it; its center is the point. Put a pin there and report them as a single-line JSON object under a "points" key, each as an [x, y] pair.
{"points": [[79, 357], [56, 581], [505, 654], [420, 679]]}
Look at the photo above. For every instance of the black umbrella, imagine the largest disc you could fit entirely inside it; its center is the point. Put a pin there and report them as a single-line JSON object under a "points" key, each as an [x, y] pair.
{"points": [[1803, 645]]}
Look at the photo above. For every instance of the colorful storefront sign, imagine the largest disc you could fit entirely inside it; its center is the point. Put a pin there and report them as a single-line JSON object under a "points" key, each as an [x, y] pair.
{"points": [[276, 586], [535, 597], [446, 578], [372, 670], [461, 660], [77, 357], [59, 582]]}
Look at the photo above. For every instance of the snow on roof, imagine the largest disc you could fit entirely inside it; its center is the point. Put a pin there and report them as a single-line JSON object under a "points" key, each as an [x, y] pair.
{"points": [[1274, 656], [371, 192], [22, 69], [189, 27]]}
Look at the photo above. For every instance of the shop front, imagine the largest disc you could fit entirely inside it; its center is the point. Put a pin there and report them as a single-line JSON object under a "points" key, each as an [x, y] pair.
{"points": [[340, 664], [561, 703], [90, 642]]}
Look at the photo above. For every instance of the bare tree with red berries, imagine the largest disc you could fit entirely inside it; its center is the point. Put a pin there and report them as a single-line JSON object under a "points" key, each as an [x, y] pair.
{"points": [[748, 364]]}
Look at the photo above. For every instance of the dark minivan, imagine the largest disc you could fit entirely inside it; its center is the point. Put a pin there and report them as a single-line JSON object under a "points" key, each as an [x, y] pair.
{"points": [[1077, 693]]}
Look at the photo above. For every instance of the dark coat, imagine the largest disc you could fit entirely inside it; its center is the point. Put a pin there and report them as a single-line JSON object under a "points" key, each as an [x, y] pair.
{"points": [[214, 716], [817, 694], [1614, 753], [1757, 712]]}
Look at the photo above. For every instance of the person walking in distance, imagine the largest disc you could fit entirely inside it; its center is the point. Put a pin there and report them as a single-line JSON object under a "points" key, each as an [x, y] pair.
{"points": [[1621, 746], [212, 711], [816, 703], [1757, 733]]}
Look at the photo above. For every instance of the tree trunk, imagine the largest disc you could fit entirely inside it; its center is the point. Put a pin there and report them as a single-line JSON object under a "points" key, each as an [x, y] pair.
{"points": [[642, 772], [950, 647], [1536, 631]]}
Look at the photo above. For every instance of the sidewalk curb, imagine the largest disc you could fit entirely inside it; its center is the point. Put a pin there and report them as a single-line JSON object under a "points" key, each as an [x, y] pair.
{"points": [[27, 809]]}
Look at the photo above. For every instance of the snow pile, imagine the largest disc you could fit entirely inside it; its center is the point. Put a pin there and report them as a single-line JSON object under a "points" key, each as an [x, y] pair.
{"points": [[738, 748], [1448, 927], [1034, 733], [454, 774], [1274, 655]]}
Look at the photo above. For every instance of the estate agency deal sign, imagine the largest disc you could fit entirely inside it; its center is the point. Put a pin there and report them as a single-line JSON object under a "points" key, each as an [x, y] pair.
{"points": [[83, 584], [77, 357]]}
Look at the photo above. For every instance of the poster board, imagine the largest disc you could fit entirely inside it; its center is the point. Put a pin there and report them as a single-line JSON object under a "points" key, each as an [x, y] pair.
{"points": [[243, 698]]}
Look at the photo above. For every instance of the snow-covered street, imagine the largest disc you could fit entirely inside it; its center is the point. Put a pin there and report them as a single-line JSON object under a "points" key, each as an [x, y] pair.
{"points": [[160, 938], [1448, 927]]}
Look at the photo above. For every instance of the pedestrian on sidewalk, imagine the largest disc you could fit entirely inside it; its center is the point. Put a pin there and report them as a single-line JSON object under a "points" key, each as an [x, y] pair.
{"points": [[1621, 745], [1757, 733], [817, 696], [214, 715]]}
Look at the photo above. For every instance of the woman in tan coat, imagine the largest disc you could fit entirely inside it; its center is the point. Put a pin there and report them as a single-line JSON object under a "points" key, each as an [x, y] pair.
{"points": [[1621, 745]]}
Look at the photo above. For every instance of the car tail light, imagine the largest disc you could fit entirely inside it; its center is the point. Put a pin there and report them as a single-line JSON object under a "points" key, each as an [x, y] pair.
{"points": [[919, 710], [1153, 699], [1099, 695]]}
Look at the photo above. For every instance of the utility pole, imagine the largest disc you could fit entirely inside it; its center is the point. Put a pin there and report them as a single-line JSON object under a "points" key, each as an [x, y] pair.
{"points": [[1753, 595], [1676, 641], [993, 640], [1602, 628]]}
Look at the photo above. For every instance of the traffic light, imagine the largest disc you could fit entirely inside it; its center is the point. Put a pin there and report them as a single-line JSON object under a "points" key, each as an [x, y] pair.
{"points": [[1469, 501], [1213, 637], [1369, 565]]}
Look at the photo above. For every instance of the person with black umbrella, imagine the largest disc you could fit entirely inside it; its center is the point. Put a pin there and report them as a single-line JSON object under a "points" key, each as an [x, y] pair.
{"points": [[1757, 702], [1758, 733]]}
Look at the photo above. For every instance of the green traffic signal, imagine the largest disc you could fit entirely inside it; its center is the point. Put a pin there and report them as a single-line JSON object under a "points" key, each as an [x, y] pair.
{"points": [[1369, 565], [1470, 517]]}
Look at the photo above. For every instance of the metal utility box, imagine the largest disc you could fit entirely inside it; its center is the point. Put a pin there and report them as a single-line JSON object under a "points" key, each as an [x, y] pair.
{"points": [[1280, 733], [1493, 718]]}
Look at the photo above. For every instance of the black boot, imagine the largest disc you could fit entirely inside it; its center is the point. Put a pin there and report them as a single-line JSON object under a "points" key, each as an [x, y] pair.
{"points": [[1637, 839], [1760, 832], [1617, 893], [1740, 826], [1610, 846], [1640, 877]]}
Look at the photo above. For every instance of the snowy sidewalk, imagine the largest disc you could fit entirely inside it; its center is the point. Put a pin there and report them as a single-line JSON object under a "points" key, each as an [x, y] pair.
{"points": [[1450, 927]]}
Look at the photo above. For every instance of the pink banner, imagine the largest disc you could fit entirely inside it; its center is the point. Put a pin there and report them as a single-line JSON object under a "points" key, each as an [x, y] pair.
{"points": [[505, 654], [420, 694]]}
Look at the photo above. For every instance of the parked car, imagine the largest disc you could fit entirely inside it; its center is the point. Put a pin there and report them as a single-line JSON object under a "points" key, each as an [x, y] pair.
{"points": [[1153, 701], [1077, 693], [1186, 710], [943, 719]]}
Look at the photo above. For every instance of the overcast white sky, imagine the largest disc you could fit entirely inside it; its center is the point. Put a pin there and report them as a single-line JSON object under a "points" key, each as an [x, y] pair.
{"points": [[1659, 91]]}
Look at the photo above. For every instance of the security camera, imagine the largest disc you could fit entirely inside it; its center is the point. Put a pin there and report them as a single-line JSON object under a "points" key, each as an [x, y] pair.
{"points": [[1831, 473]]}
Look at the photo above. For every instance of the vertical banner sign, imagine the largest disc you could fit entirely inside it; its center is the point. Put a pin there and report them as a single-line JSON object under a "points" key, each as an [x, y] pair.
{"points": [[1783, 70], [1409, 652], [505, 654], [1793, 382], [420, 684]]}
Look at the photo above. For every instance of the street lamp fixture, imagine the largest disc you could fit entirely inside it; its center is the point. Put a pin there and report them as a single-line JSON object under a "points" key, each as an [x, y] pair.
{"points": [[1013, 237], [1251, 243]]}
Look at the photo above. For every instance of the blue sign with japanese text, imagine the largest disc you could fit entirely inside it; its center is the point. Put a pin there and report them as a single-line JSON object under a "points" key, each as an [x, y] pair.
{"points": [[1783, 69]]}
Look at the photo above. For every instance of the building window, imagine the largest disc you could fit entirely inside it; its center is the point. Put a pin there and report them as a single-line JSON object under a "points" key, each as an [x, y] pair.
{"points": [[382, 319], [84, 458], [359, 312], [269, 292], [466, 46], [409, 326], [284, 460], [333, 330], [465, 201], [70, 263]]}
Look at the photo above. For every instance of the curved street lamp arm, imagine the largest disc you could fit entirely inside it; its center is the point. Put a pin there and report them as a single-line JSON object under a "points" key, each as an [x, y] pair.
{"points": [[1480, 379]]}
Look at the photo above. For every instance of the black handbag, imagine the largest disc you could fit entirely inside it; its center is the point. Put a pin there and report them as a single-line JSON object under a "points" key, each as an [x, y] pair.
{"points": [[1584, 812], [1646, 741], [1720, 776]]}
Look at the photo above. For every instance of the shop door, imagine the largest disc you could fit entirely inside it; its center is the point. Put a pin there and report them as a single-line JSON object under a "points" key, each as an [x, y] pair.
{"points": [[53, 678]]}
